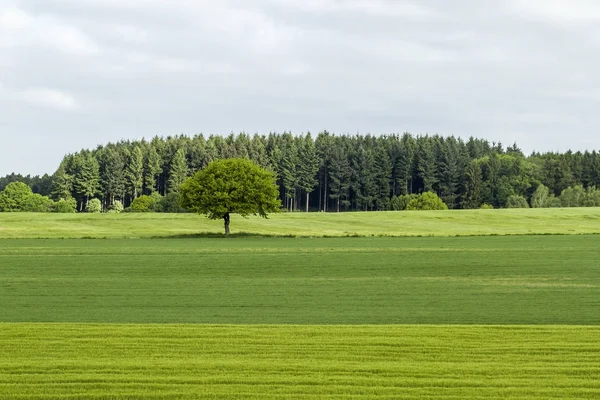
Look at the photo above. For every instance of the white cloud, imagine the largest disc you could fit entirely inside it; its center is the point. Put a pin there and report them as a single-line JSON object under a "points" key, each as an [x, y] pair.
{"points": [[19, 28], [559, 11], [50, 98], [371, 7]]}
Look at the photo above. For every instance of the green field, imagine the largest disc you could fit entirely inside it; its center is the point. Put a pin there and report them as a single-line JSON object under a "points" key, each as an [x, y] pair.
{"points": [[460, 280], [189, 316], [561, 221], [72, 361]]}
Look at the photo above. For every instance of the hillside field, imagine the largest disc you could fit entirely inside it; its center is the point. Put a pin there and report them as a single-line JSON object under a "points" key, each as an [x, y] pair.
{"points": [[560, 221]]}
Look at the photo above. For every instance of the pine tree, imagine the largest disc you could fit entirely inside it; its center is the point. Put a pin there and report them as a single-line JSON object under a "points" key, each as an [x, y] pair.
{"points": [[135, 172], [340, 174], [473, 186], [62, 183], [178, 171], [383, 176], [152, 169], [289, 172], [86, 179], [308, 167], [425, 164], [112, 173]]}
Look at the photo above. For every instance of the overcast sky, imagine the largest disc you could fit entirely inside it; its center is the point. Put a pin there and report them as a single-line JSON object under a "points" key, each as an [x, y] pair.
{"points": [[77, 73]]}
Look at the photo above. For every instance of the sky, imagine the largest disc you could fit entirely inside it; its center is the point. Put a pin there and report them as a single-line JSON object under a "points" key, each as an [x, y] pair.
{"points": [[78, 73]]}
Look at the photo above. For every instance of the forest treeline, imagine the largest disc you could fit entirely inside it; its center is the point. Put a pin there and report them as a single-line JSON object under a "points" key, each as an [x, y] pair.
{"points": [[329, 172]]}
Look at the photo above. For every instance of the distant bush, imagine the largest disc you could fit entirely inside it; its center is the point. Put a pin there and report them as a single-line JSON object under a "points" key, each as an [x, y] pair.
{"points": [[94, 206], [116, 207], [14, 196], [486, 206], [426, 201], [516, 201], [68, 206], [399, 203], [592, 198], [143, 204], [37, 203], [170, 204], [573, 196]]}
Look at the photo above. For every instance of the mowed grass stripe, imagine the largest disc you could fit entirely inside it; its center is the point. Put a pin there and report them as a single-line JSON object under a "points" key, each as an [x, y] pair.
{"points": [[565, 221], [50, 361], [459, 280]]}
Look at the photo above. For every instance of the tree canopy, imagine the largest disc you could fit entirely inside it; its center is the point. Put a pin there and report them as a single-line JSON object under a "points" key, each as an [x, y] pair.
{"points": [[232, 186], [327, 172]]}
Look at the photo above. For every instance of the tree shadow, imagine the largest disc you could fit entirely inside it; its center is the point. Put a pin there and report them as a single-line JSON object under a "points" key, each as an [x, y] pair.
{"points": [[214, 235]]}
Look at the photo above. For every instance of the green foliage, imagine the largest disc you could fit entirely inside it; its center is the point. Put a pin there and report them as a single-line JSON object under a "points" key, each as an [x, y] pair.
{"points": [[67, 206], [486, 206], [516, 201], [134, 173], [14, 197], [464, 174], [399, 203], [541, 197], [178, 172], [170, 204], [233, 186], [426, 201], [94, 206], [38, 203], [116, 207], [573, 196], [592, 198], [142, 204]]}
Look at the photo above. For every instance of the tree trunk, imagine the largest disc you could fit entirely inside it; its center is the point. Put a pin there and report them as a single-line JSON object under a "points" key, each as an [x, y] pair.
{"points": [[325, 196], [307, 198], [226, 220]]}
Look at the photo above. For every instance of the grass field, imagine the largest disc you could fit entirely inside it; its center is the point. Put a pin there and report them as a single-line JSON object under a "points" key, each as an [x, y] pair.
{"points": [[468, 317], [298, 362], [468, 280], [405, 223]]}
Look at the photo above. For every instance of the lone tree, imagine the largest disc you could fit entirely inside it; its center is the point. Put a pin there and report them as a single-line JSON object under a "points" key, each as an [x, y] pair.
{"points": [[232, 186]]}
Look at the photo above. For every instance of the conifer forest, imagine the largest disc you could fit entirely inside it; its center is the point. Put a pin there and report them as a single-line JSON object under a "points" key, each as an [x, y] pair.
{"points": [[331, 173]]}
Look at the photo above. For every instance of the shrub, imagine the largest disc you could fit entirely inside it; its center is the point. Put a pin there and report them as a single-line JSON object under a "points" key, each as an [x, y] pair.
{"points": [[14, 196], [170, 204], [116, 207], [94, 206], [486, 206], [426, 201], [516, 201], [399, 203], [541, 197], [573, 196], [143, 204], [37, 203], [68, 206], [592, 198]]}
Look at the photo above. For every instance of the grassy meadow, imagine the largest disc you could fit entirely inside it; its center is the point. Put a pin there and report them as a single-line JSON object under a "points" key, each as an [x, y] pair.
{"points": [[559, 221], [459, 280], [70, 361], [159, 306]]}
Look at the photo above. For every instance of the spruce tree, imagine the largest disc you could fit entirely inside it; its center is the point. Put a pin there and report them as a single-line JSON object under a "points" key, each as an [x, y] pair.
{"points": [[135, 172], [340, 174], [152, 169], [308, 167], [178, 171]]}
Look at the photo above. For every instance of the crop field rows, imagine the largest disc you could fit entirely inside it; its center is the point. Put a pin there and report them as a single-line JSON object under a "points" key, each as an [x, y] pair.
{"points": [[293, 318], [315, 362]]}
